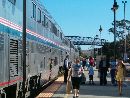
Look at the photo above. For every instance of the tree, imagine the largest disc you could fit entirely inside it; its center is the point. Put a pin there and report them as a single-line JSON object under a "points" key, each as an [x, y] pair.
{"points": [[120, 28], [120, 25]]}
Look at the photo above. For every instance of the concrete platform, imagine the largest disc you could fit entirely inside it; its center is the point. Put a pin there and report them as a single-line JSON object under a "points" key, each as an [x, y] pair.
{"points": [[96, 91]]}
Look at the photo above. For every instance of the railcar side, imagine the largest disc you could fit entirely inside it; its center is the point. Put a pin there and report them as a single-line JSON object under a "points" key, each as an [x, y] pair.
{"points": [[45, 42]]}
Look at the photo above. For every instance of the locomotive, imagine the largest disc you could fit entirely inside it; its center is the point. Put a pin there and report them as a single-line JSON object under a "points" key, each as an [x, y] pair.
{"points": [[45, 43]]}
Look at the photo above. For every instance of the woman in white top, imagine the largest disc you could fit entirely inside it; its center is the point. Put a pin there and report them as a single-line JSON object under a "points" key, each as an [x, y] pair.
{"points": [[75, 73]]}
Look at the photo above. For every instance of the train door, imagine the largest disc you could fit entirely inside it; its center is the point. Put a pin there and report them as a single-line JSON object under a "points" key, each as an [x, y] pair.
{"points": [[13, 58]]}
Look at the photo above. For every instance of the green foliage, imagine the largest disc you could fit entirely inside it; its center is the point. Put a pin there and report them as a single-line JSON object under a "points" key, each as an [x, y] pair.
{"points": [[109, 47]]}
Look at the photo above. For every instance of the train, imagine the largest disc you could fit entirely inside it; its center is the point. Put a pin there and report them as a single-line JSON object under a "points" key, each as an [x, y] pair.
{"points": [[45, 42]]}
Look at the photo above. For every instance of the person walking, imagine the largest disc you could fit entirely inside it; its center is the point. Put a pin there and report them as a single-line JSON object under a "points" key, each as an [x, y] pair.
{"points": [[120, 74], [75, 74], [112, 71], [103, 71], [84, 63], [66, 68], [50, 67]]}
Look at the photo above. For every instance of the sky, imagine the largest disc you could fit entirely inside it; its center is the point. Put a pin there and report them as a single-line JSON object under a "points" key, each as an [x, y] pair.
{"points": [[84, 17]]}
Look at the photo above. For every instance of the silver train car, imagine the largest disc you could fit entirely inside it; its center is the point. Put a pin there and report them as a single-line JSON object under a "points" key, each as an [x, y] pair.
{"points": [[45, 43]]}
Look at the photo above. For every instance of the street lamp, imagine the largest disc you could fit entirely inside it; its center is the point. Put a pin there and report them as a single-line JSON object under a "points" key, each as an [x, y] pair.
{"points": [[114, 8], [125, 54], [93, 44], [100, 30]]}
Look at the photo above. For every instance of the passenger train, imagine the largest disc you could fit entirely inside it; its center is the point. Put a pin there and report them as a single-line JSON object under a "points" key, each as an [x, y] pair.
{"points": [[45, 43]]}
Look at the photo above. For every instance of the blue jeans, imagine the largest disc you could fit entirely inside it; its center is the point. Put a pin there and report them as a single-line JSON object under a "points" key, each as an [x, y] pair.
{"points": [[113, 76]]}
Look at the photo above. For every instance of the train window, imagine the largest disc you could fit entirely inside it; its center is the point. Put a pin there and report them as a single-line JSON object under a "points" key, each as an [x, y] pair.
{"points": [[61, 35], [46, 22], [62, 56], [55, 61], [49, 25], [57, 33], [43, 18], [39, 15], [54, 29], [12, 1], [34, 11], [44, 62]]}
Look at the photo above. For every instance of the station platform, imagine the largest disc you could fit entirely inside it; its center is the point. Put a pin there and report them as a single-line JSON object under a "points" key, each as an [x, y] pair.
{"points": [[58, 89]]}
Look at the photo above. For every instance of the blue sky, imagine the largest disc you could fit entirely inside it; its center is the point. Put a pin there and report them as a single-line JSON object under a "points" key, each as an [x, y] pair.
{"points": [[84, 17]]}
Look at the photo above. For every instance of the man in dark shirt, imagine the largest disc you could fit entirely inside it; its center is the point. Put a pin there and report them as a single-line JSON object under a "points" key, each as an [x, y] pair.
{"points": [[66, 67], [103, 71]]}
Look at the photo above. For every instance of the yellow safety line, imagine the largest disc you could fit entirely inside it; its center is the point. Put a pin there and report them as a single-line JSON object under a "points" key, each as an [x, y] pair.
{"points": [[49, 91]]}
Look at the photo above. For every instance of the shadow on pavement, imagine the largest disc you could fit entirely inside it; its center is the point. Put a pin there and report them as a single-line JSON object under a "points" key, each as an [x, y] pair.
{"points": [[91, 91]]}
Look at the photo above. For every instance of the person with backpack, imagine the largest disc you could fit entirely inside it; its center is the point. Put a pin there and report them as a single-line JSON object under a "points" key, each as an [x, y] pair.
{"points": [[75, 74], [120, 74]]}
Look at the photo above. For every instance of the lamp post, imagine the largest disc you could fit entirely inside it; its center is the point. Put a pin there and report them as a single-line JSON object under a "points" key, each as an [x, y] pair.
{"points": [[125, 54], [114, 8], [100, 30], [24, 47], [95, 38], [70, 49]]}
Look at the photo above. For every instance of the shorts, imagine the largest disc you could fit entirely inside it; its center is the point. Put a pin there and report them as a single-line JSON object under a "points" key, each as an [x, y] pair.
{"points": [[90, 77], [76, 82]]}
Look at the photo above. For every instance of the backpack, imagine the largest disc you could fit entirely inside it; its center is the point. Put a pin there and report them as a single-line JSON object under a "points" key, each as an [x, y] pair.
{"points": [[76, 70]]}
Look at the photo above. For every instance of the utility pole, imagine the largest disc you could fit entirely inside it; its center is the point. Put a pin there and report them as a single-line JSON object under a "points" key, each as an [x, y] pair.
{"points": [[114, 8], [70, 49], [125, 54], [24, 46], [100, 30]]}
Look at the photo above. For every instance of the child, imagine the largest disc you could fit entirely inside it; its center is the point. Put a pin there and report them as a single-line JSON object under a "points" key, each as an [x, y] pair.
{"points": [[91, 73], [120, 75]]}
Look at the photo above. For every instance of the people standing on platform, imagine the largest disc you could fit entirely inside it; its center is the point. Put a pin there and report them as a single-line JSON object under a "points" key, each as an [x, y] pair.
{"points": [[91, 61], [66, 68], [50, 67], [91, 73], [112, 71], [75, 74], [103, 71], [84, 63], [120, 74], [87, 62]]}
